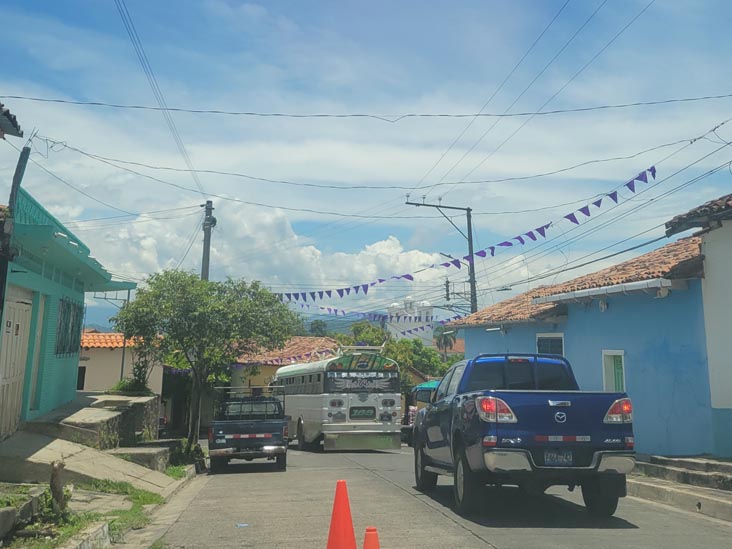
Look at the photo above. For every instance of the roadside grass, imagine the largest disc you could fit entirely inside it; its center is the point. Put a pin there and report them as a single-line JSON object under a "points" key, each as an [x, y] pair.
{"points": [[176, 471], [160, 544], [132, 519], [52, 533], [13, 495]]}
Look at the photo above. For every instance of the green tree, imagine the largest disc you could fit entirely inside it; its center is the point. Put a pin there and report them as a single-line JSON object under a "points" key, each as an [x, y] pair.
{"points": [[445, 340], [365, 333], [411, 353], [204, 326], [319, 328]]}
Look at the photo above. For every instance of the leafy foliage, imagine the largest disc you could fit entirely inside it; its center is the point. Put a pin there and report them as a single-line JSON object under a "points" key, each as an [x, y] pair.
{"points": [[445, 339], [133, 385], [203, 326], [319, 328]]}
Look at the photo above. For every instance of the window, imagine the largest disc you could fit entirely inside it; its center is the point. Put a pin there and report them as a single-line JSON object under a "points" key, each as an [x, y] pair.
{"points": [[550, 344], [442, 387], [456, 377], [554, 377], [68, 327], [520, 376], [486, 376], [80, 378], [613, 371]]}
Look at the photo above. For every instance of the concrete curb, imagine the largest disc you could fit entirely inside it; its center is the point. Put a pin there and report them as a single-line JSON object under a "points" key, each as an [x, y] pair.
{"points": [[12, 517], [95, 536], [705, 501]]}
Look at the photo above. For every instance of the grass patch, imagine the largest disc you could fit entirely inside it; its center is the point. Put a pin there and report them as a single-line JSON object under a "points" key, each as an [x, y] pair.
{"points": [[52, 534], [160, 544], [132, 519], [176, 471], [13, 495]]}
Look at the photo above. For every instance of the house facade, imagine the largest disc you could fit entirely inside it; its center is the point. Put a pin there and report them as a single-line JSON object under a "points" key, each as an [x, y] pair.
{"points": [[48, 273], [653, 326], [106, 358]]}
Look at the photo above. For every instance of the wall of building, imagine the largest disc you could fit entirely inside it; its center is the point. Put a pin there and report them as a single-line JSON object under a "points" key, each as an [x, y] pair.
{"points": [[244, 377], [411, 315], [54, 380], [717, 250], [663, 344], [103, 369]]}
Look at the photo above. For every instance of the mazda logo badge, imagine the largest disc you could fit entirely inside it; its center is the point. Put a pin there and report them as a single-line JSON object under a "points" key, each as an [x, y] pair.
{"points": [[560, 417]]}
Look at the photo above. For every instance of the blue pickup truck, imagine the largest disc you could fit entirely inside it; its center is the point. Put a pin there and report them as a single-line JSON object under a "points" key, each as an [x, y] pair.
{"points": [[520, 419]]}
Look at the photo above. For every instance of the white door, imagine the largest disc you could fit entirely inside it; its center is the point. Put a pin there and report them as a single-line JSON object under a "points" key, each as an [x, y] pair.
{"points": [[13, 354]]}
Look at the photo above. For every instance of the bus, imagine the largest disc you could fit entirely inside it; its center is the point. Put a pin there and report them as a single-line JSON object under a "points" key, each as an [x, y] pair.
{"points": [[350, 402]]}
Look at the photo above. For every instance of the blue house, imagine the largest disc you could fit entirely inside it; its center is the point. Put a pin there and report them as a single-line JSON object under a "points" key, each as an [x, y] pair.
{"points": [[654, 326]]}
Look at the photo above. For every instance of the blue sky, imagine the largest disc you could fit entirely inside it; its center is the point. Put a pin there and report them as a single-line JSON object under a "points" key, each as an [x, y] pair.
{"points": [[375, 57]]}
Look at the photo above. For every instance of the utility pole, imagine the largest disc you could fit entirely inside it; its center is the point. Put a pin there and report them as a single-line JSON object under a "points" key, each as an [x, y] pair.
{"points": [[447, 289], [468, 237], [7, 228], [209, 222]]}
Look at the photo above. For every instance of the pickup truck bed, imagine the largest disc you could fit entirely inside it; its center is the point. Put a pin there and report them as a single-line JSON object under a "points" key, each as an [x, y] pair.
{"points": [[521, 420], [248, 428]]}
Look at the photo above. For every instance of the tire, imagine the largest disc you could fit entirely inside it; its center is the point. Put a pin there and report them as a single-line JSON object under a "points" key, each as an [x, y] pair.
{"points": [[424, 481], [600, 503], [281, 463], [301, 444], [217, 466], [465, 485]]}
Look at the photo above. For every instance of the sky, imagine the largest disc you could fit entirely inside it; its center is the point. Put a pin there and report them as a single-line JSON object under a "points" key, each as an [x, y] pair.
{"points": [[379, 58]]}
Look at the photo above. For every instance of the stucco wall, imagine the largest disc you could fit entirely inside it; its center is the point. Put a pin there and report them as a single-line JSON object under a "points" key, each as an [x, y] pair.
{"points": [[663, 342], [103, 369], [717, 250], [55, 383]]}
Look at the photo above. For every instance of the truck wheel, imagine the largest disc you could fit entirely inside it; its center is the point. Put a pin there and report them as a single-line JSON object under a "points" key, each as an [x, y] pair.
{"points": [[425, 481], [301, 444], [281, 462], [599, 502], [217, 466], [465, 485]]}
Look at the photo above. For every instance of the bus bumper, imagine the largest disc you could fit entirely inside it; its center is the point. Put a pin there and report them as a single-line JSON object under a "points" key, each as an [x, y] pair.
{"points": [[361, 440]]}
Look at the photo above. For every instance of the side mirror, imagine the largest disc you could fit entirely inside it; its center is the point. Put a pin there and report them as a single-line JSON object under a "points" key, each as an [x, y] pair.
{"points": [[424, 395]]}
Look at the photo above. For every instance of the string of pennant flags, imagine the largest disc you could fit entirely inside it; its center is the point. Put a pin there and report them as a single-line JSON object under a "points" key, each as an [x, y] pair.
{"points": [[522, 239], [378, 316]]}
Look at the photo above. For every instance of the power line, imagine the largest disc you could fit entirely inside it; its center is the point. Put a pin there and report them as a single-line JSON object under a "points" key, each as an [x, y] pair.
{"points": [[88, 220], [157, 92], [384, 118]]}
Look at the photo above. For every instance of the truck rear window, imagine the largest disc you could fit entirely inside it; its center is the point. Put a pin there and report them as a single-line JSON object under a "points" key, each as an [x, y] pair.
{"points": [[519, 376], [233, 410]]}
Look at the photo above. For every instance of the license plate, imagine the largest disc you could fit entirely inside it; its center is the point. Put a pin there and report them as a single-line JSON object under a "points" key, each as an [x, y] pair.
{"points": [[558, 458], [362, 412]]}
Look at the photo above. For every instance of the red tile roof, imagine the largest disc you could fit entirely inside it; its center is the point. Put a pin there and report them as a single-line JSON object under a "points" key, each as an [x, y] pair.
{"points": [[717, 209], [680, 259], [93, 339], [297, 348]]}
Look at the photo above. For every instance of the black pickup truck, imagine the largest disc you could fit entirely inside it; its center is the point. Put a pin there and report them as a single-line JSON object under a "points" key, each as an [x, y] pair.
{"points": [[248, 424]]}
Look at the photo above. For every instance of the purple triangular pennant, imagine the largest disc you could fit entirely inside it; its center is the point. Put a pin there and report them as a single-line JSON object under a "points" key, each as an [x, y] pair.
{"points": [[652, 169], [481, 253], [330, 310], [312, 296], [329, 293], [320, 294], [304, 296], [520, 239], [572, 217], [542, 230], [289, 297], [365, 288], [597, 203], [381, 280], [348, 291], [631, 185], [408, 277], [356, 289], [446, 264], [372, 284], [614, 196], [531, 235], [468, 258], [585, 210], [340, 292], [506, 243], [456, 263], [296, 296], [642, 177]]}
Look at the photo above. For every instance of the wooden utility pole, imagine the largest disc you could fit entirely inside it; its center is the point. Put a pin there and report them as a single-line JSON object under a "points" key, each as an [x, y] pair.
{"points": [[468, 237], [209, 222]]}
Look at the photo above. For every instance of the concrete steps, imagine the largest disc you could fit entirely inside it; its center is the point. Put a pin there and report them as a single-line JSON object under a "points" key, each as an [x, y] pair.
{"points": [[694, 464], [705, 501]]}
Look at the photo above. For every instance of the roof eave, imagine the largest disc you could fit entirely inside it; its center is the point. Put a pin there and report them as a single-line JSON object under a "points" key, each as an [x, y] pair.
{"points": [[641, 286]]}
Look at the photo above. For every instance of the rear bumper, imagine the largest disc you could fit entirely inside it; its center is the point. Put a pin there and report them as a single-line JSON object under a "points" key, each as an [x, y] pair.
{"points": [[520, 461], [361, 440], [248, 453]]}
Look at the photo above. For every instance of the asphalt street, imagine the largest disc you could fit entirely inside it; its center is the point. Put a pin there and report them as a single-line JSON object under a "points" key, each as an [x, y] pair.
{"points": [[251, 505]]}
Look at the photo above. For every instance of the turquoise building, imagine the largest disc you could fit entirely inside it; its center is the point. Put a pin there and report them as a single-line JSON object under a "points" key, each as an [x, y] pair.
{"points": [[49, 271]]}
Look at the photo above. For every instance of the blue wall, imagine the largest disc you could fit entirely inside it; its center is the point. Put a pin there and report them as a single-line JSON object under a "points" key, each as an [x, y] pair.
{"points": [[665, 363]]}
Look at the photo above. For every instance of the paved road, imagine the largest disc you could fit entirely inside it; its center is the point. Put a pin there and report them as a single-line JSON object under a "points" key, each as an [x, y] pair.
{"points": [[253, 506]]}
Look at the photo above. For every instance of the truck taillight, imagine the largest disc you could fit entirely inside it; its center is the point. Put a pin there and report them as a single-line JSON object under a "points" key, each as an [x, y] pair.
{"points": [[621, 411], [210, 434], [286, 432], [494, 410]]}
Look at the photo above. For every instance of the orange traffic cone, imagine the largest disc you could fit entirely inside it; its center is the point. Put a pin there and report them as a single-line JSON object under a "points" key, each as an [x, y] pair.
{"points": [[371, 540], [341, 535]]}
